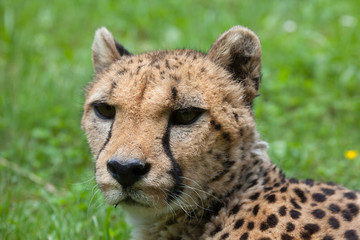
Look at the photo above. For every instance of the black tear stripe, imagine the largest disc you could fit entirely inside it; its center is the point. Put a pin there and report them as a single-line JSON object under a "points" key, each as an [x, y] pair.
{"points": [[175, 171], [106, 141]]}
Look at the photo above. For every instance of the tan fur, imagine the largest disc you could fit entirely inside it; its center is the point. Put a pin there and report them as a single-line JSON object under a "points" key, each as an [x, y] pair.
{"points": [[221, 161]]}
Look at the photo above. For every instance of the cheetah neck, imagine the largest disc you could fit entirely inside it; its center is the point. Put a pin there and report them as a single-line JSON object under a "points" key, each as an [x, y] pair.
{"points": [[258, 173]]}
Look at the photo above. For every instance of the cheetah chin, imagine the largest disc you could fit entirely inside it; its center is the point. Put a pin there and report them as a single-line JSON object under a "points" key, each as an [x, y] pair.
{"points": [[175, 143]]}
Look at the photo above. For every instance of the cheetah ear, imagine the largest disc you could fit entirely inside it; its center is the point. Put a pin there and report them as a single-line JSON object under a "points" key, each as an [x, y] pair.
{"points": [[105, 50], [239, 51]]}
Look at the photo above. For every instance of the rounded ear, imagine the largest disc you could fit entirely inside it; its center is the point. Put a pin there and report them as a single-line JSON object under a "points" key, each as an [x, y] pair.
{"points": [[105, 50], [239, 51]]}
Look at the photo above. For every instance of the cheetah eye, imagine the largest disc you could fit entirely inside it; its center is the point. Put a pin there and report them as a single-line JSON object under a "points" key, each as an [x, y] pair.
{"points": [[104, 111], [186, 116]]}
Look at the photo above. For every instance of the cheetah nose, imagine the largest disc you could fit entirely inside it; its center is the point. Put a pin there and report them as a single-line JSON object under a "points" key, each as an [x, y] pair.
{"points": [[127, 172]]}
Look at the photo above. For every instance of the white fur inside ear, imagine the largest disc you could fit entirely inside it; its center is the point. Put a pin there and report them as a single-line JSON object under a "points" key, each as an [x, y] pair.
{"points": [[104, 51]]}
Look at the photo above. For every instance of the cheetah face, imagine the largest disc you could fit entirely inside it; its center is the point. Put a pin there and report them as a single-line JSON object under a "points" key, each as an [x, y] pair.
{"points": [[164, 127]]}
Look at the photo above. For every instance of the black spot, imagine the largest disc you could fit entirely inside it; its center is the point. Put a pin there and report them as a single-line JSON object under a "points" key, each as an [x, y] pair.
{"points": [[295, 214], [293, 180], [235, 210], [219, 175], [228, 163], [248, 175], [215, 231], [295, 204], [202, 69], [353, 209], [327, 237], [236, 117], [334, 223], [350, 195], [271, 198], [138, 69], [167, 64], [174, 92], [272, 220], [264, 238], [225, 236], [285, 236], [231, 178], [282, 211], [309, 182], [319, 197], [290, 227], [226, 136], [122, 71], [252, 183], [300, 193], [351, 235], [176, 78], [175, 171], [251, 225], [244, 236], [255, 196], [331, 183], [305, 235], [328, 191], [318, 213], [334, 208], [256, 209], [346, 215], [283, 189], [215, 125], [311, 228], [239, 223], [266, 180], [264, 226], [241, 132]]}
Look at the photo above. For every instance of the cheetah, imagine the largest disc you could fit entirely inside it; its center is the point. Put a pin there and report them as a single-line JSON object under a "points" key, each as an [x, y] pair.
{"points": [[175, 144]]}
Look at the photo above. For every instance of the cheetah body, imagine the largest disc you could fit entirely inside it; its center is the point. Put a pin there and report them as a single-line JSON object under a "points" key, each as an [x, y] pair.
{"points": [[175, 143]]}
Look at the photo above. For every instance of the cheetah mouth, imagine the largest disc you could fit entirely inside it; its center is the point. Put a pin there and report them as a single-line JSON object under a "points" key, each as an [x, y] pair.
{"points": [[125, 197], [130, 202], [149, 197], [129, 198]]}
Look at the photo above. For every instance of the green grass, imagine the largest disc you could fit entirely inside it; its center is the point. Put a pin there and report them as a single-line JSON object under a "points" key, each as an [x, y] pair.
{"points": [[309, 109]]}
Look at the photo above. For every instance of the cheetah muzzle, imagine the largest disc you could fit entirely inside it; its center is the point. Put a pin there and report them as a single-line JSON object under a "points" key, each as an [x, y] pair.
{"points": [[175, 144]]}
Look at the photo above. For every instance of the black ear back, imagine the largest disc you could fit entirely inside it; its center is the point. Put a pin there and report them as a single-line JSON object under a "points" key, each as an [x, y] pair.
{"points": [[239, 51], [120, 48]]}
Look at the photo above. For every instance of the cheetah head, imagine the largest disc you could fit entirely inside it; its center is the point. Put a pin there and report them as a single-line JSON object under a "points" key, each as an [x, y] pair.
{"points": [[169, 130]]}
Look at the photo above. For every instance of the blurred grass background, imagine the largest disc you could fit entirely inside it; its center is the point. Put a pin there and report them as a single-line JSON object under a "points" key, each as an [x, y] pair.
{"points": [[309, 109]]}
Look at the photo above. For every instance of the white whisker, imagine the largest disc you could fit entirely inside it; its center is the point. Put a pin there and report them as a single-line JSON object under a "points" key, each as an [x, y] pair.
{"points": [[85, 182]]}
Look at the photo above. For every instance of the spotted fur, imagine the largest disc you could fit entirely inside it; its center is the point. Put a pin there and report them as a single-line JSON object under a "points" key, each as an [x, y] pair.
{"points": [[175, 143]]}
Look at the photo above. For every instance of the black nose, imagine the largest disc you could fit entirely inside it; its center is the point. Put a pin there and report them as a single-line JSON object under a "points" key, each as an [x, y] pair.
{"points": [[127, 172]]}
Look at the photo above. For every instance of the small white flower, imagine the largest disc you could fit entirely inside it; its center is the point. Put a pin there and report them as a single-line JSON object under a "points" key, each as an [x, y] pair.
{"points": [[348, 21], [289, 26]]}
